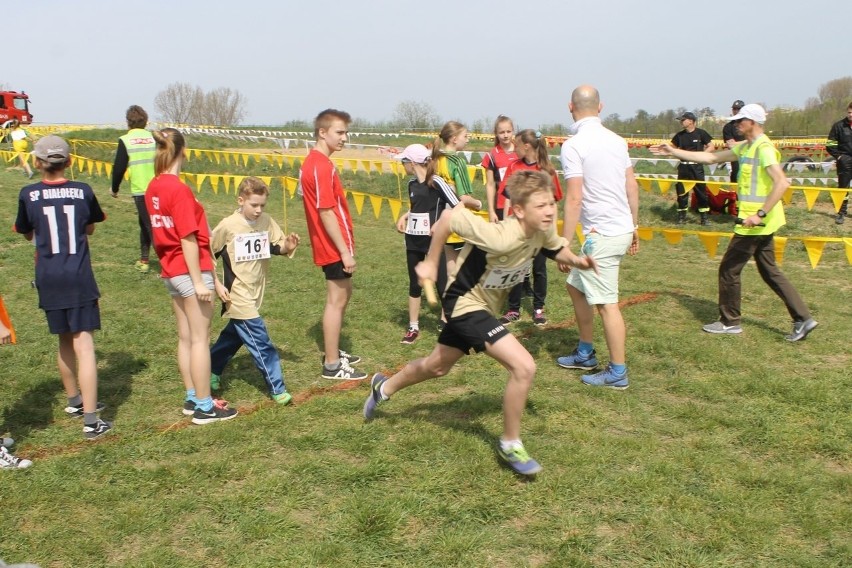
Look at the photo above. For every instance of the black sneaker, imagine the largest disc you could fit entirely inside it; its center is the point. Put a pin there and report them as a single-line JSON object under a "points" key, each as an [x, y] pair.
{"points": [[96, 430], [188, 407], [539, 318], [220, 411], [705, 219], [353, 359], [343, 372], [77, 411], [839, 219]]}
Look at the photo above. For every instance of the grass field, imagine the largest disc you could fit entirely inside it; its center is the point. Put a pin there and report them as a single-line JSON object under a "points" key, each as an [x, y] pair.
{"points": [[725, 451]]}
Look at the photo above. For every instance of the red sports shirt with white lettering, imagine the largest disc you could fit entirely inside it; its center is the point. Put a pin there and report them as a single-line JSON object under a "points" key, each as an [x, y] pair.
{"points": [[176, 213]]}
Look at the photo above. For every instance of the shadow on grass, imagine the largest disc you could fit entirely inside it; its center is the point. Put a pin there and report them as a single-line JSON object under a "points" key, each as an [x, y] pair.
{"points": [[706, 311], [32, 410]]}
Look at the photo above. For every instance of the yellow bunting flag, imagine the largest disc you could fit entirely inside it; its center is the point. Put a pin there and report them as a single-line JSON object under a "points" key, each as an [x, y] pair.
{"points": [[197, 153], [710, 242], [279, 161], [847, 243], [353, 165], [788, 196], [395, 206], [379, 167], [646, 234], [291, 160], [217, 156], [673, 236], [245, 158], [687, 186], [214, 183], [471, 172], [837, 196], [645, 184], [713, 188], [664, 186], [358, 198], [376, 202], [237, 181], [810, 197], [366, 165], [267, 180], [108, 168], [99, 167], [199, 180], [780, 245], [814, 248], [291, 184]]}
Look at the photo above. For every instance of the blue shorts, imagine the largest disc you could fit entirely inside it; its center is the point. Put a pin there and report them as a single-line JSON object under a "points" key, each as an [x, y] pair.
{"points": [[182, 285], [74, 320]]}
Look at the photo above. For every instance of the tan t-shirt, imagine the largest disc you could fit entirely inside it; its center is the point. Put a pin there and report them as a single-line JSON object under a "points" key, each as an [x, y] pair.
{"points": [[495, 257], [245, 251]]}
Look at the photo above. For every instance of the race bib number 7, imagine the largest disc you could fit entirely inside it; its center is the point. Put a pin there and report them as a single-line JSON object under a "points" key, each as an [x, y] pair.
{"points": [[418, 224], [498, 278], [251, 246]]}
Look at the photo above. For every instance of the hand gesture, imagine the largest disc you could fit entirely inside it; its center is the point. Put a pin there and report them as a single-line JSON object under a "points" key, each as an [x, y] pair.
{"points": [[203, 293]]}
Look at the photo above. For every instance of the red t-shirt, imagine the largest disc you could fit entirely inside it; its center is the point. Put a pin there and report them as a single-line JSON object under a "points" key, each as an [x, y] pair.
{"points": [[176, 213], [519, 165], [502, 159], [321, 189]]}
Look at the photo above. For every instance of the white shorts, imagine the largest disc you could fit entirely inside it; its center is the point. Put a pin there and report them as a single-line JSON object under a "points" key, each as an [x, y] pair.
{"points": [[182, 285], [607, 251]]}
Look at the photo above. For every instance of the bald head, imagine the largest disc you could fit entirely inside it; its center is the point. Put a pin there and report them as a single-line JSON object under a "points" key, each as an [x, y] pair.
{"points": [[585, 101]]}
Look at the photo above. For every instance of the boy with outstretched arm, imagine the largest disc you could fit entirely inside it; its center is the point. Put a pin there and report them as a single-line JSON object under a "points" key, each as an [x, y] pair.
{"points": [[494, 259]]}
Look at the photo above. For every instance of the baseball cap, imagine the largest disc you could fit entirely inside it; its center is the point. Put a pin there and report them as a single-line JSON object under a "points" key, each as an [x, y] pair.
{"points": [[751, 111], [737, 104], [417, 153], [688, 115], [52, 149]]}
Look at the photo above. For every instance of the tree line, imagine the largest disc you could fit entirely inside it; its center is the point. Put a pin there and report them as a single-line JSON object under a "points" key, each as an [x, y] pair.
{"points": [[187, 104]]}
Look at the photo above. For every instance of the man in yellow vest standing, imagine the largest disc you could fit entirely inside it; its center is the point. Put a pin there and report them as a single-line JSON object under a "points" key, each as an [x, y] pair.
{"points": [[760, 186], [135, 155]]}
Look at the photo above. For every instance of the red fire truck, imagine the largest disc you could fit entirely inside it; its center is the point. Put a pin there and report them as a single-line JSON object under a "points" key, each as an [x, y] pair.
{"points": [[15, 106]]}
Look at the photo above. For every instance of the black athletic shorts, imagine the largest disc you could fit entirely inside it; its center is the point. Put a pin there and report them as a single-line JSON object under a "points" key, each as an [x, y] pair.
{"points": [[472, 331], [334, 271]]}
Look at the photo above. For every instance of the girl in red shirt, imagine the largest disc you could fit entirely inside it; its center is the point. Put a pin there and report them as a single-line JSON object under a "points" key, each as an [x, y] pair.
{"points": [[532, 155], [182, 242], [496, 163]]}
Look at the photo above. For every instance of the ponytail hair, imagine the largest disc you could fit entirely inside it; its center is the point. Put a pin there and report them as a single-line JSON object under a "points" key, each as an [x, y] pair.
{"points": [[447, 133], [501, 118], [537, 142], [170, 147]]}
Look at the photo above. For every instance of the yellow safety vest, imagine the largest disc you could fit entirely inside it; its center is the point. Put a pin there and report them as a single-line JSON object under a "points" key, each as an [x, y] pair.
{"points": [[754, 184], [141, 150]]}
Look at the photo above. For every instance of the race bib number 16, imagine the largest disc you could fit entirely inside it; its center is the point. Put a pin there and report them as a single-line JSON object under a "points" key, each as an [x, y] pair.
{"points": [[498, 278], [251, 246]]}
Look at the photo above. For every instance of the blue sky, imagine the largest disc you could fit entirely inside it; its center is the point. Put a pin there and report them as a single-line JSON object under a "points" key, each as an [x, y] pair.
{"points": [[87, 61]]}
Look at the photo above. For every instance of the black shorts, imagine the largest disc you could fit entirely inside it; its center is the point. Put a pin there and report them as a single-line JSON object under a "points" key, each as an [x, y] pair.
{"points": [[334, 271], [74, 320], [472, 331]]}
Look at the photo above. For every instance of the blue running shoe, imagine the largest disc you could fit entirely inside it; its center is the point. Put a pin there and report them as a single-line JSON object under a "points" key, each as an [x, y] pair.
{"points": [[576, 361], [519, 460], [607, 378], [375, 396]]}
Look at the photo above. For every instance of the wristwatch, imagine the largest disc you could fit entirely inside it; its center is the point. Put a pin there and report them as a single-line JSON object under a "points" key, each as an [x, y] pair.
{"points": [[761, 213]]}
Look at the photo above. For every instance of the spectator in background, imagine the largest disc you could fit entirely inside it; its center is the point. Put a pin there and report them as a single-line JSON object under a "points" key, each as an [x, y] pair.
{"points": [[839, 145], [21, 145], [691, 139], [495, 163], [135, 154]]}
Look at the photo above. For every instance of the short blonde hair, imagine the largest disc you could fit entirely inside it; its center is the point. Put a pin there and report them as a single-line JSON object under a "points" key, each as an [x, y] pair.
{"points": [[252, 186], [523, 184]]}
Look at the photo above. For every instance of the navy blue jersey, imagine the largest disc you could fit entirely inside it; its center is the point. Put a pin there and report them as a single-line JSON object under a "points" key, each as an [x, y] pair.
{"points": [[58, 213]]}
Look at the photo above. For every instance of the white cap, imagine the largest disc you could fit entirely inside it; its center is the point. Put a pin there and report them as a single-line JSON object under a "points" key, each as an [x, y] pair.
{"points": [[751, 111]]}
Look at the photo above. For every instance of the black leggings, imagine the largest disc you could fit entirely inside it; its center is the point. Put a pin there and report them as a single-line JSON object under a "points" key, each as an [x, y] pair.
{"points": [[144, 227], [414, 289]]}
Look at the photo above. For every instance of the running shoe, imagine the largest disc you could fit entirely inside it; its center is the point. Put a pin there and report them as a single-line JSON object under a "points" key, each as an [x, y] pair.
{"points": [[220, 411], [9, 461], [96, 430], [143, 267], [353, 359], [720, 328], [517, 458], [344, 372], [510, 317], [577, 360], [539, 318], [282, 398], [188, 407], [607, 378], [7, 442], [375, 396], [77, 411], [411, 336], [801, 329]]}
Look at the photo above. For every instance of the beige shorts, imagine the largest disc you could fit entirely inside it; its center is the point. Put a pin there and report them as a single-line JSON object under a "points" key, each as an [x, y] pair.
{"points": [[607, 251]]}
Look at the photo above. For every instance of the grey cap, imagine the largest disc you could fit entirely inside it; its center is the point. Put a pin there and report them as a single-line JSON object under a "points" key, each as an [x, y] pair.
{"points": [[52, 149]]}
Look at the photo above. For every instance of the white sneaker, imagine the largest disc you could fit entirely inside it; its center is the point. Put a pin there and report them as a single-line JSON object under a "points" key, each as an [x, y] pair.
{"points": [[8, 461], [719, 327]]}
